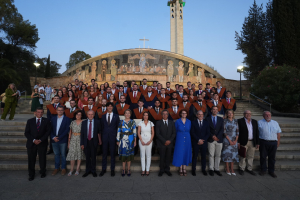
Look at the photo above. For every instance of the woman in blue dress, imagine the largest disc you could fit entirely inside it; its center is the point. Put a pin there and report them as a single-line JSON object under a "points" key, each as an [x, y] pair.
{"points": [[183, 146], [48, 91], [126, 140]]}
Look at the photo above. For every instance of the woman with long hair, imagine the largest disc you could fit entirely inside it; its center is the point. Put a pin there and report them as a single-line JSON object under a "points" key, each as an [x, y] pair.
{"points": [[35, 103], [83, 101], [69, 87], [82, 89], [96, 87], [74, 90], [10, 102], [102, 89], [93, 93], [98, 102], [106, 85], [192, 98]]}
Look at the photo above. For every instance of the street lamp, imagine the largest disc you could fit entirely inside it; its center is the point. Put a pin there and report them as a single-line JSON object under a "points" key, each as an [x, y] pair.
{"points": [[36, 66], [240, 70]]}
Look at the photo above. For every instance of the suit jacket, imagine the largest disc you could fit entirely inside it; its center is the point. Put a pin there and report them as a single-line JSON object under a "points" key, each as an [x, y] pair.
{"points": [[49, 113], [31, 132], [84, 133], [243, 132], [218, 131], [163, 134], [197, 133], [109, 132], [63, 131]]}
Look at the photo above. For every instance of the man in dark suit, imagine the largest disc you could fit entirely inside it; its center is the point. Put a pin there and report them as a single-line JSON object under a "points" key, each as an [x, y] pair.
{"points": [[215, 141], [59, 134], [89, 139], [109, 125], [200, 132], [37, 131], [165, 134], [248, 138]]}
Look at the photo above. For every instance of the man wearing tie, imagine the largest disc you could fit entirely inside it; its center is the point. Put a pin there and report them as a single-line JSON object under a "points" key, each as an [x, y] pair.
{"points": [[216, 102], [37, 132], [89, 140], [126, 88], [149, 98], [109, 125], [163, 98], [185, 104], [169, 91], [181, 91], [120, 93], [174, 110], [215, 141], [196, 106], [107, 93], [158, 90], [134, 97], [200, 133], [90, 106], [229, 103], [69, 112], [143, 88], [199, 92], [165, 134], [102, 110], [121, 107], [221, 91]]}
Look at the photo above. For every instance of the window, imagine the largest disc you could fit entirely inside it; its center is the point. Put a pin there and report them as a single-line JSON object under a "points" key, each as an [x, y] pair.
{"points": [[172, 10], [172, 16], [180, 16], [180, 11]]}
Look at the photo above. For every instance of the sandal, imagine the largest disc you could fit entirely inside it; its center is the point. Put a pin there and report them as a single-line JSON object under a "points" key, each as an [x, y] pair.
{"points": [[184, 172], [123, 173], [70, 173], [77, 172], [147, 174], [143, 173], [129, 173], [180, 172]]}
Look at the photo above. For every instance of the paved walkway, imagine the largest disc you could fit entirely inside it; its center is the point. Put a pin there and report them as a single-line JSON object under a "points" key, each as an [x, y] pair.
{"points": [[14, 185]]}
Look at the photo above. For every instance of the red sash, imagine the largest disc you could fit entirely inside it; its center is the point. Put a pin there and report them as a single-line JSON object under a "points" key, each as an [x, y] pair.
{"points": [[52, 110], [155, 115], [221, 92], [147, 98], [105, 95], [192, 100], [142, 90], [65, 95], [86, 109], [179, 99], [84, 102], [100, 113], [68, 114], [203, 108], [169, 92], [211, 104], [120, 110], [172, 114], [187, 106], [228, 106], [137, 113], [136, 99], [208, 94], [94, 95], [163, 100]]}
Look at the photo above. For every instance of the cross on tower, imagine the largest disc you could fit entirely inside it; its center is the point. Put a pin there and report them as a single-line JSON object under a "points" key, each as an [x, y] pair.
{"points": [[144, 41]]}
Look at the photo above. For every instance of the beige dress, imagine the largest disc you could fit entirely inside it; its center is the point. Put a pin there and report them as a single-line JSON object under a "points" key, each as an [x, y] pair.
{"points": [[75, 151]]}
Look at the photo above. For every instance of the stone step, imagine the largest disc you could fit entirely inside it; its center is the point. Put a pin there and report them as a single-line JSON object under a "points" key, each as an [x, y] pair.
{"points": [[12, 123], [12, 128], [12, 133], [136, 166]]}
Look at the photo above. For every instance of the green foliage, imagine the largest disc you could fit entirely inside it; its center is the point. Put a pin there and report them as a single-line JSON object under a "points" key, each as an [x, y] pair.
{"points": [[281, 85], [7, 73], [76, 58], [47, 70], [54, 67]]}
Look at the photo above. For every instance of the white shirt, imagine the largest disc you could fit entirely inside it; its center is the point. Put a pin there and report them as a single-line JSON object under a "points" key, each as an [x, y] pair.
{"points": [[250, 129], [199, 122], [146, 130], [141, 109], [162, 95], [215, 102], [58, 124], [103, 109], [156, 109], [88, 126], [165, 121], [90, 107], [200, 103], [175, 109], [113, 91], [134, 93], [144, 87], [41, 99], [184, 104], [227, 99], [110, 116], [122, 104]]}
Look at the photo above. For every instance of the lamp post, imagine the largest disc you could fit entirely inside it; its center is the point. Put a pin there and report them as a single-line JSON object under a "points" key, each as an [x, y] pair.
{"points": [[240, 70], [36, 66]]}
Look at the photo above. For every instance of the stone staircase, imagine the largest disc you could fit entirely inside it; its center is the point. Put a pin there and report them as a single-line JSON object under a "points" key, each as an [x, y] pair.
{"points": [[241, 106], [13, 154]]}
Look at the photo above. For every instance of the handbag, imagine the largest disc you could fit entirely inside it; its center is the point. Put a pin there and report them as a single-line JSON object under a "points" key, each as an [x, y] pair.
{"points": [[242, 151]]}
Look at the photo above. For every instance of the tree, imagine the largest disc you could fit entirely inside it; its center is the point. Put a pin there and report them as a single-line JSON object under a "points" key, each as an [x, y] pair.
{"points": [[7, 73], [47, 70], [54, 67], [76, 58]]}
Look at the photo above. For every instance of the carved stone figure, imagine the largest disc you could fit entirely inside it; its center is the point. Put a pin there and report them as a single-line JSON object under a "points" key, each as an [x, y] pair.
{"points": [[113, 70], [180, 71], [104, 70], [170, 70], [93, 70], [199, 77], [190, 73]]}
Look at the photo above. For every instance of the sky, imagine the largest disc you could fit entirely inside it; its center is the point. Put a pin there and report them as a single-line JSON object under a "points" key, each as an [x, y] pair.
{"points": [[101, 26]]}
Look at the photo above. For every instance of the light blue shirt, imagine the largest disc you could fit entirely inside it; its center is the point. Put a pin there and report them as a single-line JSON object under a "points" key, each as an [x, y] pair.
{"points": [[88, 125], [268, 130], [219, 90], [212, 118], [58, 124], [149, 94]]}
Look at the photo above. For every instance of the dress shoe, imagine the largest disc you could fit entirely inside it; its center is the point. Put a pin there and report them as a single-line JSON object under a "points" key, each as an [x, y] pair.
{"points": [[262, 173], [31, 178], [168, 173], [193, 172], [63, 172], [102, 172], [49, 152], [251, 172], [273, 174], [112, 173], [86, 174], [43, 175], [211, 172], [204, 173], [55, 172], [94, 174], [160, 174], [241, 172], [218, 173]]}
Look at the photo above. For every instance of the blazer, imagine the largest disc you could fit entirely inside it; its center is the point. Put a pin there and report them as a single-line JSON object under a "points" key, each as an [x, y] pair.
{"points": [[163, 134], [31, 132], [84, 133], [49, 115], [218, 131], [63, 131], [109, 132], [243, 132], [197, 133]]}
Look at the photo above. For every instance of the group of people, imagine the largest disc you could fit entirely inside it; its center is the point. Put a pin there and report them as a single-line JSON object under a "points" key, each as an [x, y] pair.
{"points": [[180, 124]]}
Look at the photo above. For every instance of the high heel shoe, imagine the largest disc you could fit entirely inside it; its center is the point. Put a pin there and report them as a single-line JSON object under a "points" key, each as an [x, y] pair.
{"points": [[228, 173], [123, 173], [184, 172], [143, 173], [180, 172], [128, 173], [147, 174]]}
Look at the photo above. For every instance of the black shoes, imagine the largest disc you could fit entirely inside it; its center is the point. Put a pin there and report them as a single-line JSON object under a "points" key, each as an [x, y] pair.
{"points": [[112, 173], [94, 174], [102, 172], [86, 174], [193, 172], [168, 173], [273, 174], [43, 175], [262, 173], [160, 174], [218, 173], [241, 172], [31, 178], [204, 173], [251, 172], [211, 172]]}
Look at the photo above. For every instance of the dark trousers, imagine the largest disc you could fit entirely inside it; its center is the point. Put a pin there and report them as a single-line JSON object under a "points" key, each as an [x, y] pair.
{"points": [[165, 153], [111, 145], [136, 148], [267, 149], [32, 152], [203, 149], [90, 153], [50, 144]]}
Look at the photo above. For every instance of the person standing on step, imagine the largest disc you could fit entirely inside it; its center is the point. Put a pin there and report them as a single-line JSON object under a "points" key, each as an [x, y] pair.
{"points": [[249, 139], [59, 134], [11, 95], [37, 132], [35, 103], [269, 135]]}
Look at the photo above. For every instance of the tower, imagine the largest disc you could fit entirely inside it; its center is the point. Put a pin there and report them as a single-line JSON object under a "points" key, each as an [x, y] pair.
{"points": [[176, 19]]}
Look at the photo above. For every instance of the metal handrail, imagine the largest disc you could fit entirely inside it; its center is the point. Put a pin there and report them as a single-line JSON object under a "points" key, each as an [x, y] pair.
{"points": [[261, 100]]}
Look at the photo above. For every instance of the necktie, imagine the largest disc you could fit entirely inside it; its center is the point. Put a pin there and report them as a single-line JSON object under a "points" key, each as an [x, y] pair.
{"points": [[55, 106], [166, 125], [71, 110], [90, 107], [134, 94], [200, 125], [38, 125], [122, 106], [184, 104], [228, 101], [214, 122], [157, 111], [108, 119], [200, 104], [175, 110], [90, 131], [140, 110]]}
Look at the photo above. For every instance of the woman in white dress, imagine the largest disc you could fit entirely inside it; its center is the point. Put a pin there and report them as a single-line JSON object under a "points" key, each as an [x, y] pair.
{"points": [[145, 134]]}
